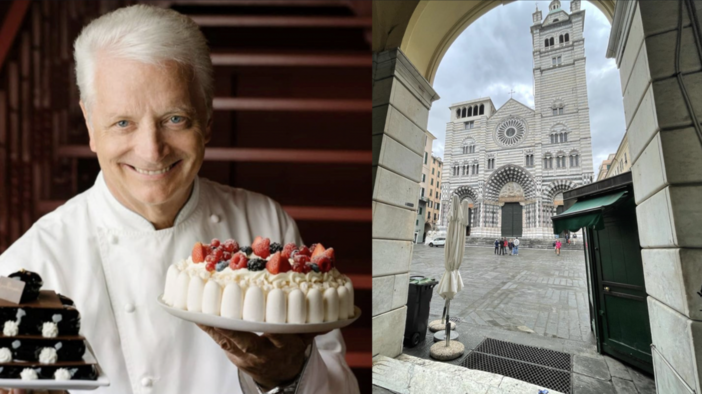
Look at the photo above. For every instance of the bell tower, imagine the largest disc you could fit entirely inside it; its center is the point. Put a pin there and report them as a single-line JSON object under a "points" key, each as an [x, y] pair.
{"points": [[560, 86]]}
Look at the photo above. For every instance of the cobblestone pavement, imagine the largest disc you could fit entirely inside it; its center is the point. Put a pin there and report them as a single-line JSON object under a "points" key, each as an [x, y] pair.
{"points": [[535, 298], [535, 290]]}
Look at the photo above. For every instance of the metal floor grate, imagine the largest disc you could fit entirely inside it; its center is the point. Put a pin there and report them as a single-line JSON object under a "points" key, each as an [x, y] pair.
{"points": [[550, 378], [530, 354]]}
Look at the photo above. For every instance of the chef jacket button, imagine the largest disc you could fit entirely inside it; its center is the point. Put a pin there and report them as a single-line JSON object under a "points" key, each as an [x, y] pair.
{"points": [[129, 308], [113, 239], [147, 382], [214, 218]]}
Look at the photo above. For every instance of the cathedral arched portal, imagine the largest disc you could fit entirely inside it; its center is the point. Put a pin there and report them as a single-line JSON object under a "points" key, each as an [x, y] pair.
{"points": [[467, 193], [552, 199], [511, 201]]}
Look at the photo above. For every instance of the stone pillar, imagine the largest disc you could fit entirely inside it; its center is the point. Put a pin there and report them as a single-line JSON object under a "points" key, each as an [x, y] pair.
{"points": [[401, 102], [666, 151]]}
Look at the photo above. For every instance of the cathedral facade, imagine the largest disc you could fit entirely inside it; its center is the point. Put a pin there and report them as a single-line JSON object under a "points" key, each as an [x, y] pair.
{"points": [[514, 163]]}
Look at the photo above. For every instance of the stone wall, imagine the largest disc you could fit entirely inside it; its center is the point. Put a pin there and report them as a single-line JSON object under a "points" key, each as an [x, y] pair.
{"points": [[401, 102], [667, 174]]}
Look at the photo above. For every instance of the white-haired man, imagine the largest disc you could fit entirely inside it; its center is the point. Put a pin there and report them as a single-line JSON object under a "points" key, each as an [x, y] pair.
{"points": [[145, 80]]}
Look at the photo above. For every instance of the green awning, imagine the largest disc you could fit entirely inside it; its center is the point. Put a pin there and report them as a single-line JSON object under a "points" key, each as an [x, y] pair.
{"points": [[586, 213]]}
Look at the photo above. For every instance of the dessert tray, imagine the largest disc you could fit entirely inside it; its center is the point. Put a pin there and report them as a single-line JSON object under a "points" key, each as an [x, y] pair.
{"points": [[252, 326], [51, 384]]}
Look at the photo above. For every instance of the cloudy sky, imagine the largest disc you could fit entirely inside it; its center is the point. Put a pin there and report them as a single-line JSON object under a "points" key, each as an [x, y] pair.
{"points": [[493, 56]]}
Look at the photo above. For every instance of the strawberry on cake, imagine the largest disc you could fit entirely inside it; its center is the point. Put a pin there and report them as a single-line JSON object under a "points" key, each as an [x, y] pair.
{"points": [[264, 282]]}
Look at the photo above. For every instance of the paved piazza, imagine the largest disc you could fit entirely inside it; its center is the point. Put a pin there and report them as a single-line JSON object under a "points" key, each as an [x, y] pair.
{"points": [[534, 291]]}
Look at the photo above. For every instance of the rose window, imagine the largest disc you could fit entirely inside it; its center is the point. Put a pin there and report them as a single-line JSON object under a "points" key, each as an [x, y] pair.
{"points": [[510, 132]]}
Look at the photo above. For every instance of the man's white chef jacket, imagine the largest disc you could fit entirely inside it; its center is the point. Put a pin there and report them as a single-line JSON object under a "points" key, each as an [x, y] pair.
{"points": [[112, 263]]}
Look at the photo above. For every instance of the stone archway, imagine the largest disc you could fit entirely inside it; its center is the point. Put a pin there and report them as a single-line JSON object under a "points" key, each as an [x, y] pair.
{"points": [[467, 193], [425, 30], [509, 173]]}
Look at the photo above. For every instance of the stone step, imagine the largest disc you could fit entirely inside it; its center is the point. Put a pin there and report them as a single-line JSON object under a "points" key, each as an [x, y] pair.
{"points": [[412, 375], [527, 243]]}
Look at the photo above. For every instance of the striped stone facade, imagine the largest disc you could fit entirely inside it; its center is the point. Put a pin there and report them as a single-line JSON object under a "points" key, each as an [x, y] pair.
{"points": [[520, 154]]}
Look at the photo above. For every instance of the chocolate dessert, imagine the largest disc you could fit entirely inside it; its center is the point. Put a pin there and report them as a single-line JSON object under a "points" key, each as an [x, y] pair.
{"points": [[40, 337]]}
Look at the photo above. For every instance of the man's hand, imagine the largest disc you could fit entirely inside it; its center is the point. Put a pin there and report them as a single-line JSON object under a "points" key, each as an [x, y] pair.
{"points": [[271, 359]]}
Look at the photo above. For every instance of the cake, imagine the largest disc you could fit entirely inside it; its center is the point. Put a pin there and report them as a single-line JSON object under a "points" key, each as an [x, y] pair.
{"points": [[40, 335], [264, 282]]}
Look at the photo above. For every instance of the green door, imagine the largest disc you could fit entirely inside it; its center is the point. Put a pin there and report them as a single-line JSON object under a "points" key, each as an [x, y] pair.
{"points": [[512, 220], [625, 332]]}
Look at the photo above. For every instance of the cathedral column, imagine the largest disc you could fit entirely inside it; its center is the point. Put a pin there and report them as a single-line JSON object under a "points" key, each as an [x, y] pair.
{"points": [[401, 102], [662, 105]]}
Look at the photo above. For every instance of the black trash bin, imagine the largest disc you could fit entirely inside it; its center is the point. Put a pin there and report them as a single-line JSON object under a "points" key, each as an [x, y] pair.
{"points": [[418, 300]]}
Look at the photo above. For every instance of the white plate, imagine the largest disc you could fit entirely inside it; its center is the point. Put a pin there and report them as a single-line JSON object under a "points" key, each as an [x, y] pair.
{"points": [[250, 326], [48, 384]]}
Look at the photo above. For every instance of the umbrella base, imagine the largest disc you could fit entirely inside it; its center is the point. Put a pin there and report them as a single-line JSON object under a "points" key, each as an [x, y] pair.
{"points": [[437, 325], [440, 351], [441, 336]]}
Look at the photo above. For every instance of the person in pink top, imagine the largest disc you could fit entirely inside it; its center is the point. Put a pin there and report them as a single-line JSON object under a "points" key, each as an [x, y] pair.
{"points": [[558, 247]]}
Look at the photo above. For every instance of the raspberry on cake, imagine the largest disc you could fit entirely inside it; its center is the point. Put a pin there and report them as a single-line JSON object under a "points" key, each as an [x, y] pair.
{"points": [[264, 282]]}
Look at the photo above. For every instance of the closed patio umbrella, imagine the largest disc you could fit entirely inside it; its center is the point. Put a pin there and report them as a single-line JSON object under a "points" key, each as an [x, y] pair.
{"points": [[451, 281]]}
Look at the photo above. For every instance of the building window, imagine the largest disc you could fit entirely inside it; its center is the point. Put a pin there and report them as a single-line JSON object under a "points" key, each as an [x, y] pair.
{"points": [[422, 194], [566, 37], [548, 162], [556, 61], [529, 160], [469, 125], [424, 178], [439, 175], [438, 205], [555, 111], [431, 193], [428, 215], [425, 157], [546, 43], [550, 41], [574, 159], [555, 20], [432, 171], [416, 223], [438, 185], [560, 111], [482, 109], [432, 181], [560, 39], [625, 161], [421, 211], [491, 164], [434, 217]]}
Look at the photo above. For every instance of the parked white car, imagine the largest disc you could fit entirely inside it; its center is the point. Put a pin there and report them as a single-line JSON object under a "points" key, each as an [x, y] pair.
{"points": [[440, 241]]}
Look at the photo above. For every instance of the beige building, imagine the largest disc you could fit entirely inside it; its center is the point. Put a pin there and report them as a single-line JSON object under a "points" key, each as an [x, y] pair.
{"points": [[434, 203], [604, 167], [616, 163], [427, 191], [622, 159]]}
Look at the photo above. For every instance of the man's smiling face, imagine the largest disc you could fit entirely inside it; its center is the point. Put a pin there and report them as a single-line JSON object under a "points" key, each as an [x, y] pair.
{"points": [[148, 126]]}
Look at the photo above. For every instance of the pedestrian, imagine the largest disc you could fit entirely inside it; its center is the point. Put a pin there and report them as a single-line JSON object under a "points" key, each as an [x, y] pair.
{"points": [[516, 246], [502, 246], [558, 247], [497, 245], [511, 247], [505, 246]]}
